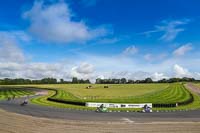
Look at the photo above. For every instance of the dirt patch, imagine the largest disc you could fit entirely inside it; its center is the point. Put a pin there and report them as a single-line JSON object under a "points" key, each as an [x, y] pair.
{"points": [[193, 88], [15, 123], [43, 92]]}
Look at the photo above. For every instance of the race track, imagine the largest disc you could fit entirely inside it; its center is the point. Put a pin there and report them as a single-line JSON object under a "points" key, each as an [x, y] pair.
{"points": [[66, 114], [58, 113]]}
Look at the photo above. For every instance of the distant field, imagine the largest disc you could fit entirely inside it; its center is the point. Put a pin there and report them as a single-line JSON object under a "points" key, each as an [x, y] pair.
{"points": [[98, 90], [137, 93], [113, 90], [5, 93]]}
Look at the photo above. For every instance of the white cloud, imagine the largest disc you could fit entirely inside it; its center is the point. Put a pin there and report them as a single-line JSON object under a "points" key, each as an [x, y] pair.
{"points": [[85, 68], [183, 49], [13, 64], [9, 51], [180, 71], [34, 70], [83, 71], [196, 75], [16, 35], [54, 23], [138, 75], [158, 76], [130, 50], [169, 29]]}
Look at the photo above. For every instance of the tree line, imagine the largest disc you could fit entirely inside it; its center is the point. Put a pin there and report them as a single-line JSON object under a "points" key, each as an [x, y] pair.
{"points": [[75, 80], [9, 81], [147, 80]]}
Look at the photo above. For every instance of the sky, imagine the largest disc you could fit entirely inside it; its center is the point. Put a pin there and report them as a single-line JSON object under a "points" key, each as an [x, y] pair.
{"points": [[92, 39]]}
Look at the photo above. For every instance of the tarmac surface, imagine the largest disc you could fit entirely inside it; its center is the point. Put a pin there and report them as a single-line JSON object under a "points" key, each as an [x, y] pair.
{"points": [[66, 114]]}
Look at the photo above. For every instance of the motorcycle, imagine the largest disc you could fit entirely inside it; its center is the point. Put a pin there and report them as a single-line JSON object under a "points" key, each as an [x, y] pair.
{"points": [[24, 103], [146, 109], [101, 110]]}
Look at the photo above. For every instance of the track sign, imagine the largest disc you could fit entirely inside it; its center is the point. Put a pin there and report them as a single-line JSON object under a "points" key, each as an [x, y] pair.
{"points": [[118, 105]]}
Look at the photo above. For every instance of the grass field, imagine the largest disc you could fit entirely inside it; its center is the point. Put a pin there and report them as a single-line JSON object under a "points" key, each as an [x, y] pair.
{"points": [[11, 92], [98, 90], [131, 93], [136, 93]]}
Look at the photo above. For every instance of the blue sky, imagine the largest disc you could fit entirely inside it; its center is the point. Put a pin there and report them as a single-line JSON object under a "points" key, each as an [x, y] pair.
{"points": [[99, 38]]}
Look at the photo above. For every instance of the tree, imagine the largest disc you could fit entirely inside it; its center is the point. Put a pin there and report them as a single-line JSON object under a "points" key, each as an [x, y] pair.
{"points": [[87, 81], [75, 80], [130, 81], [123, 81], [148, 80], [98, 81], [62, 81], [162, 81]]}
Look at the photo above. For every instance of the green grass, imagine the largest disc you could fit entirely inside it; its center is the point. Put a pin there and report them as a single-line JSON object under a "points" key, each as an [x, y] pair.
{"points": [[172, 94], [192, 106], [99, 92], [43, 101], [10, 92], [136, 93]]}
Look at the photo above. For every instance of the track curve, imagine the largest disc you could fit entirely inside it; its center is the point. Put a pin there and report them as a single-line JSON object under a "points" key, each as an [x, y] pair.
{"points": [[59, 113]]}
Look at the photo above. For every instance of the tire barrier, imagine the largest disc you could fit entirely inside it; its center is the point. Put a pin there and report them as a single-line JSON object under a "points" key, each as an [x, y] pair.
{"points": [[66, 101], [162, 105]]}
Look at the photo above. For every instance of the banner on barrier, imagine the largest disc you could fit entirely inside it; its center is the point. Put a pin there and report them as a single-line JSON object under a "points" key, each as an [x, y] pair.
{"points": [[118, 105]]}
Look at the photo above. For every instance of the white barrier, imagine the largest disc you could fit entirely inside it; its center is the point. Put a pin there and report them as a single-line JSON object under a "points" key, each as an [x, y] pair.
{"points": [[118, 105]]}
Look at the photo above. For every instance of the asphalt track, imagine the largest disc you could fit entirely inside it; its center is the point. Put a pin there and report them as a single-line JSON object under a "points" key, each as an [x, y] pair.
{"points": [[66, 114]]}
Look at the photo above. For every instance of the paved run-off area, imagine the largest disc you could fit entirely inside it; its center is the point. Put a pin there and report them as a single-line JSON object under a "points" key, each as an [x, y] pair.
{"points": [[16, 123]]}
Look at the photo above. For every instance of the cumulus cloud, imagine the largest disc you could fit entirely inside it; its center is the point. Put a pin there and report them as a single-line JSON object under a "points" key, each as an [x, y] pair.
{"points": [[169, 29], [180, 71], [16, 35], [158, 76], [83, 71], [9, 51], [183, 49], [138, 75], [54, 23], [85, 68], [130, 50], [13, 64], [34, 70]]}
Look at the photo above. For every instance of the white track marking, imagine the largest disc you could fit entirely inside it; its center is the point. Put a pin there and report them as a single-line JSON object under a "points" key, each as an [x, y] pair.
{"points": [[127, 120]]}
